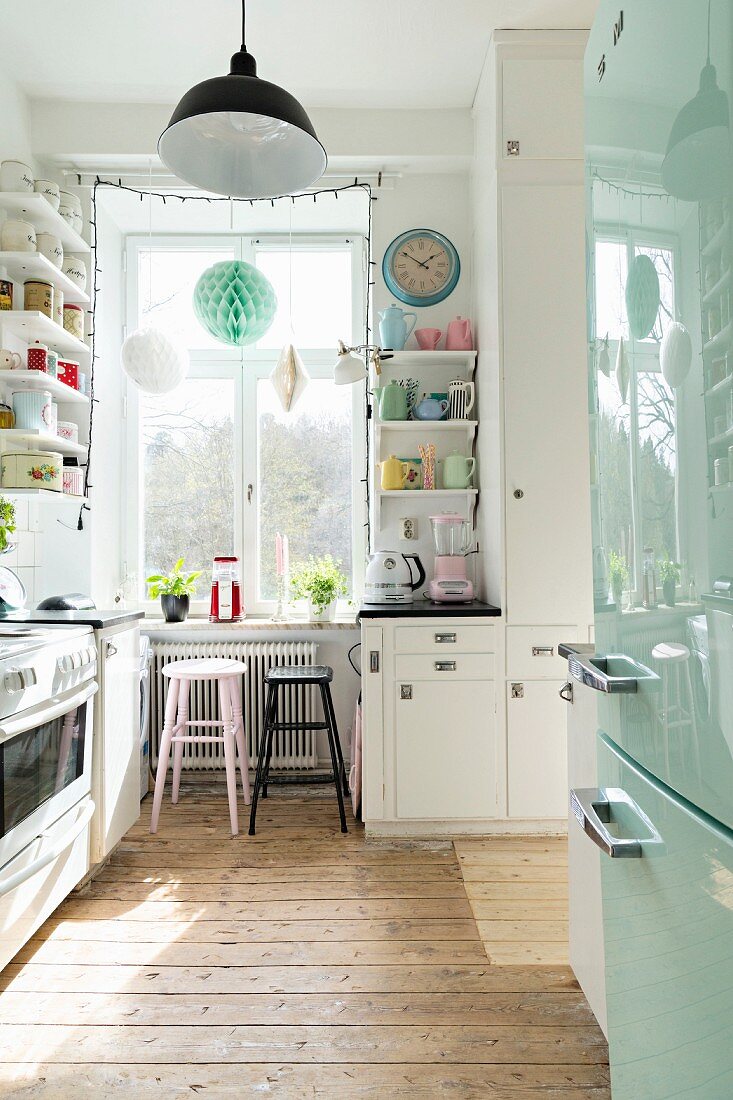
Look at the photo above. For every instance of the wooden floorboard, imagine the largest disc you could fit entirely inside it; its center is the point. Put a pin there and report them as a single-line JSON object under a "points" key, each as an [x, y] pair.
{"points": [[302, 963]]}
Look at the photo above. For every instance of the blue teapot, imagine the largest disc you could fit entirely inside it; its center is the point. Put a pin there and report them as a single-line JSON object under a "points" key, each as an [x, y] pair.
{"points": [[430, 408], [393, 330]]}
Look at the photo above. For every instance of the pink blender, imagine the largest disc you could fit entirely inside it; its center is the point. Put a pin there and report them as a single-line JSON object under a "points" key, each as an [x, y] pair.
{"points": [[452, 537]]}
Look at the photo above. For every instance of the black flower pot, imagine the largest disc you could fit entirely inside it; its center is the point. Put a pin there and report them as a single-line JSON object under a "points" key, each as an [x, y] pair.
{"points": [[175, 608], [668, 590]]}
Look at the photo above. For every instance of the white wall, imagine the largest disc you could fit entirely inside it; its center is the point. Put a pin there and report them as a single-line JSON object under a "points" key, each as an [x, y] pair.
{"points": [[15, 137]]}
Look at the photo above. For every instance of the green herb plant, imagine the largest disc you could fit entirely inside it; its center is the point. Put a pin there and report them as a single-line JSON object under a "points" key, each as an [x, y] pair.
{"points": [[319, 580], [176, 583], [669, 570], [7, 522], [618, 570]]}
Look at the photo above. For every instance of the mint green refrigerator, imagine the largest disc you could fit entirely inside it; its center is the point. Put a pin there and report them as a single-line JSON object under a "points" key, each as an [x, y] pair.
{"points": [[659, 158]]}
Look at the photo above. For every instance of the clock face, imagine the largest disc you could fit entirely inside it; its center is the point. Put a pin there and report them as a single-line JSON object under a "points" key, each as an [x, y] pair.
{"points": [[421, 267]]}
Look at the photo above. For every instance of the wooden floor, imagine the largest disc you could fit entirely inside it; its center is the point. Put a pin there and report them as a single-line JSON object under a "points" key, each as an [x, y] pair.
{"points": [[300, 963]]}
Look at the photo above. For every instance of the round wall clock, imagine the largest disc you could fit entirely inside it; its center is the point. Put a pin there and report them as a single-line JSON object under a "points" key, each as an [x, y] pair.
{"points": [[421, 267]]}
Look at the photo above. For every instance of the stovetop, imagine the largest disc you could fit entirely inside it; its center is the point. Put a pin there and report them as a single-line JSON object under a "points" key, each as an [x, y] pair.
{"points": [[18, 638]]}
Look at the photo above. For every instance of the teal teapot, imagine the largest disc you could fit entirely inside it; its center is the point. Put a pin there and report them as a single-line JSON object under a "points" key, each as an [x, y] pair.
{"points": [[392, 401], [393, 330]]}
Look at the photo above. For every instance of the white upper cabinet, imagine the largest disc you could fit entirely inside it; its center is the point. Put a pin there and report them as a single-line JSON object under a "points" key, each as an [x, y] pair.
{"points": [[542, 108]]}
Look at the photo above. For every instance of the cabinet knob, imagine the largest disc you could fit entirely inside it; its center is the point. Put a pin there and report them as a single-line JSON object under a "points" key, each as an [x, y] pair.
{"points": [[110, 649], [518, 494]]}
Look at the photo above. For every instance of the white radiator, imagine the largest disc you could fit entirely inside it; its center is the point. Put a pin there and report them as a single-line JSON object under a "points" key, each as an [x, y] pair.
{"points": [[294, 749]]}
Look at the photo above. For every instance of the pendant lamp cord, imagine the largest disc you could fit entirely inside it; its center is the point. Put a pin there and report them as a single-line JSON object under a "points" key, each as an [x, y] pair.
{"points": [[244, 26], [710, 4]]}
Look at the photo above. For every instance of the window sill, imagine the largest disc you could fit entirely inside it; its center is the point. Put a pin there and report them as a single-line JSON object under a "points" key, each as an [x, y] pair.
{"points": [[153, 624]]}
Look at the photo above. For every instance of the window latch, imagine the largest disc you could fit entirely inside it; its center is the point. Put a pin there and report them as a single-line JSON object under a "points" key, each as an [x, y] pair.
{"points": [[250, 490]]}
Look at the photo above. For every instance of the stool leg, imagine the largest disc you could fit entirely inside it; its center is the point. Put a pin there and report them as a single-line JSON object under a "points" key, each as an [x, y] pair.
{"points": [[332, 735], [179, 729], [665, 722], [270, 710], [230, 752], [339, 754], [171, 705], [236, 697]]}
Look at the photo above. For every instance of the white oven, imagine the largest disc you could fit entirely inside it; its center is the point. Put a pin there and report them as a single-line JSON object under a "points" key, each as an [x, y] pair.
{"points": [[45, 779]]}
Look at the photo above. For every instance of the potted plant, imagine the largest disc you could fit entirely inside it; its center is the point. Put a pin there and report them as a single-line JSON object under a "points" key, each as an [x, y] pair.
{"points": [[669, 574], [320, 581], [175, 591], [619, 573], [7, 524]]}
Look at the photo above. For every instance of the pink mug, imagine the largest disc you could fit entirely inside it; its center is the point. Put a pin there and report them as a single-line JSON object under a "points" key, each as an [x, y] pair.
{"points": [[428, 338]]}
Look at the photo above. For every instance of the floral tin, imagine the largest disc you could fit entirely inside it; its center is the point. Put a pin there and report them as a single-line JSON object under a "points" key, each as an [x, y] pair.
{"points": [[32, 470]]}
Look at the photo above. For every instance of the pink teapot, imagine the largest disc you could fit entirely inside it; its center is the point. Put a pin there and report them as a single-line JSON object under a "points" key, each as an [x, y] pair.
{"points": [[459, 336]]}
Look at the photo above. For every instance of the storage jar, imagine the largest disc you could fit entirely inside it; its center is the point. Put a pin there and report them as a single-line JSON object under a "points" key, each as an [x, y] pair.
{"points": [[68, 372], [73, 481], [32, 470], [17, 236], [58, 307], [67, 429], [74, 320], [38, 357], [38, 296], [32, 410]]}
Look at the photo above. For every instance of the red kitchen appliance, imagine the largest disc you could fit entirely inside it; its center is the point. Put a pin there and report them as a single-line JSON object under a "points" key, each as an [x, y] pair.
{"points": [[226, 591]]}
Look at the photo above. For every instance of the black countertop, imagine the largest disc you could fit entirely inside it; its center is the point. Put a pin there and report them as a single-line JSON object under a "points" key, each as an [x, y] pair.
{"points": [[426, 609], [99, 620]]}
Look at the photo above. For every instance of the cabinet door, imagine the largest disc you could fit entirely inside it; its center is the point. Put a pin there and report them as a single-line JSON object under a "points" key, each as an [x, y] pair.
{"points": [[548, 534], [372, 752], [117, 740], [537, 761], [543, 108], [445, 736]]}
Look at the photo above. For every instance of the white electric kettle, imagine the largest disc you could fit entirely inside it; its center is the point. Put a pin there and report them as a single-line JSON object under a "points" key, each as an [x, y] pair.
{"points": [[389, 577]]}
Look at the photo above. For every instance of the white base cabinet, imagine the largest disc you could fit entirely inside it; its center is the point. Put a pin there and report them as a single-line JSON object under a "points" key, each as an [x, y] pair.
{"points": [[536, 750], [430, 734], [116, 751]]}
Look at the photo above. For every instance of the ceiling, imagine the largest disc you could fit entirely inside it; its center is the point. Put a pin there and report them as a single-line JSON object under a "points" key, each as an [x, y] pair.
{"points": [[330, 53]]}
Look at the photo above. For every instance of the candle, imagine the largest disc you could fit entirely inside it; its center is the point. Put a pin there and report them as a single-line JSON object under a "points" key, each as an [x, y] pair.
{"points": [[279, 555], [286, 555]]}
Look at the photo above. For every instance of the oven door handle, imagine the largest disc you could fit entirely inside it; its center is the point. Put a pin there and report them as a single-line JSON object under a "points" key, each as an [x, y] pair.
{"points": [[11, 883], [46, 713]]}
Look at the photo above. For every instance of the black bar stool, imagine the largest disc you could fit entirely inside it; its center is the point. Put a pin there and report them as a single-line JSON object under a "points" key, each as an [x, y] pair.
{"points": [[285, 676]]}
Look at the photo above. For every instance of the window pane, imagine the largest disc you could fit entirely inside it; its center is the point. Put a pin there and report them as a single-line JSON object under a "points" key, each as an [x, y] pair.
{"points": [[166, 280], [657, 464], [663, 260], [611, 273], [305, 481], [321, 298], [187, 462]]}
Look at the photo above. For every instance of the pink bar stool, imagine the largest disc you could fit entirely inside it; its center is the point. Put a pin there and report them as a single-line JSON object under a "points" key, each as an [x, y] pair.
{"points": [[180, 675]]}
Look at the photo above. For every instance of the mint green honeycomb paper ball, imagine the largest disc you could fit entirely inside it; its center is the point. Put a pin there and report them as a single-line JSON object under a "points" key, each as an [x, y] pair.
{"points": [[234, 302]]}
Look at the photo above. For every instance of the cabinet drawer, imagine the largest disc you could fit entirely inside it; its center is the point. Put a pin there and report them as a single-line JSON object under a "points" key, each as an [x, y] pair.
{"points": [[451, 638], [532, 651], [444, 666]]}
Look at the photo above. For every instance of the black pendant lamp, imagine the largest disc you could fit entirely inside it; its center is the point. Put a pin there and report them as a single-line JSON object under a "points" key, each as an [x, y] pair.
{"points": [[699, 159], [241, 136]]}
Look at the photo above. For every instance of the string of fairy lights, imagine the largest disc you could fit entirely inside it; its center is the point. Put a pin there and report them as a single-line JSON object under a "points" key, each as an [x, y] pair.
{"points": [[175, 197]]}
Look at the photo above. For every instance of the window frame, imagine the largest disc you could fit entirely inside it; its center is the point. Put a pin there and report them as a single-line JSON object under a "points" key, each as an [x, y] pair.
{"points": [[246, 366], [643, 358]]}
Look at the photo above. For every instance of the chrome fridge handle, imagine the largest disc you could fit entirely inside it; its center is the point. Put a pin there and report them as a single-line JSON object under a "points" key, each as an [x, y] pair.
{"points": [[592, 809], [594, 672]]}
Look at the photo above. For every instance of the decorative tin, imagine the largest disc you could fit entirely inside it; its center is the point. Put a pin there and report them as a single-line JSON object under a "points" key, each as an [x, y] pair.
{"points": [[6, 294], [38, 357], [38, 296], [413, 474], [58, 307], [67, 429], [73, 481], [32, 470], [52, 363], [68, 372], [74, 320], [32, 410]]}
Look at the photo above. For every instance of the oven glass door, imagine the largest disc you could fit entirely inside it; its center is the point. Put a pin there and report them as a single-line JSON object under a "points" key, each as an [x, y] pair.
{"points": [[45, 766]]}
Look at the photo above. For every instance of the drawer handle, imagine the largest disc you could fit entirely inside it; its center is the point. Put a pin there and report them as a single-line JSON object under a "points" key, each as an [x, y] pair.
{"points": [[446, 639], [445, 666], [543, 651]]}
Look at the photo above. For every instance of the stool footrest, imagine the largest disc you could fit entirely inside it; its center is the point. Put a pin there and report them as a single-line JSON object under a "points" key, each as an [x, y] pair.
{"points": [[198, 738], [297, 726]]}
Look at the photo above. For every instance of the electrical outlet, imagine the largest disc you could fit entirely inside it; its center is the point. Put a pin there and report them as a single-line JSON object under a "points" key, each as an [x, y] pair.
{"points": [[408, 530]]}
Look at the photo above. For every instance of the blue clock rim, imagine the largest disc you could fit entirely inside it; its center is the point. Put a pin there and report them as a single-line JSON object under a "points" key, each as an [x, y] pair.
{"points": [[410, 299]]}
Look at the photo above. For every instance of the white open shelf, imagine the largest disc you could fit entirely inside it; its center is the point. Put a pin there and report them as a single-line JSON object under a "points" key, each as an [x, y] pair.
{"points": [[421, 494], [41, 441], [30, 325], [37, 380], [43, 494], [426, 427], [432, 360], [34, 265], [38, 211]]}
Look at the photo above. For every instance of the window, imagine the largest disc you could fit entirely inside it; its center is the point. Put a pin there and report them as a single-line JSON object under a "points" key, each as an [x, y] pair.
{"points": [[636, 431], [221, 468]]}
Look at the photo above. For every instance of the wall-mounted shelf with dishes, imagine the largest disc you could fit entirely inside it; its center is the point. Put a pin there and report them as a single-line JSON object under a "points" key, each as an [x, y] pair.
{"points": [[30, 325], [426, 427], [21, 266], [35, 208], [43, 441], [37, 380], [46, 496]]}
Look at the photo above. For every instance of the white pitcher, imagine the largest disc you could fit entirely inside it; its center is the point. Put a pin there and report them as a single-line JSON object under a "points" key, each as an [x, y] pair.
{"points": [[461, 398]]}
